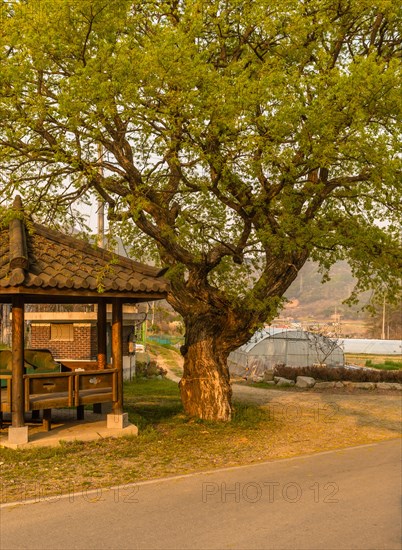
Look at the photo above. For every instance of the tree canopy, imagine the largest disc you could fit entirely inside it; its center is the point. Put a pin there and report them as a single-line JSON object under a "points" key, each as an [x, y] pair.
{"points": [[239, 138]]}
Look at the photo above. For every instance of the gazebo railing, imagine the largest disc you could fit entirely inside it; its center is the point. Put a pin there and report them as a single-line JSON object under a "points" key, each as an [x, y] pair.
{"points": [[5, 392], [63, 389]]}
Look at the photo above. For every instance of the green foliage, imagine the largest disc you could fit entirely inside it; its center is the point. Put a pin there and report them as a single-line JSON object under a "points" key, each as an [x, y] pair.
{"points": [[387, 365], [238, 138]]}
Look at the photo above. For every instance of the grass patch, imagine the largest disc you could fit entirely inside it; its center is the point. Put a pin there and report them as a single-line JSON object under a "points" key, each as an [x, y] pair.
{"points": [[361, 358], [387, 365], [149, 402], [156, 347]]}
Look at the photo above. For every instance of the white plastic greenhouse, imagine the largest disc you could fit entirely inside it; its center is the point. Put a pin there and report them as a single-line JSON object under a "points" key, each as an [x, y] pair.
{"points": [[371, 346], [291, 347]]}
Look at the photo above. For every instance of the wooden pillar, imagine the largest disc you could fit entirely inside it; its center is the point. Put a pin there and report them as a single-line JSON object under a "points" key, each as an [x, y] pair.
{"points": [[47, 419], [117, 351], [101, 329], [17, 398]]}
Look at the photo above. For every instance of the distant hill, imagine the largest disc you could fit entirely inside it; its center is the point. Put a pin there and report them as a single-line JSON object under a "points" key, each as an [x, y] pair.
{"points": [[311, 298]]}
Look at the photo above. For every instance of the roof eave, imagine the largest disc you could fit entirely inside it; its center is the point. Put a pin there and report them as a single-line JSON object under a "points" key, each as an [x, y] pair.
{"points": [[37, 295]]}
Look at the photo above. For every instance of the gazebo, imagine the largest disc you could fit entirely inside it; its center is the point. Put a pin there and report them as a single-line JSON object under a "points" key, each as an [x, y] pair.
{"points": [[42, 266]]}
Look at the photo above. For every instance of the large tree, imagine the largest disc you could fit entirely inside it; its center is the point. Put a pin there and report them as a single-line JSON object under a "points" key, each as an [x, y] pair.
{"points": [[239, 138]]}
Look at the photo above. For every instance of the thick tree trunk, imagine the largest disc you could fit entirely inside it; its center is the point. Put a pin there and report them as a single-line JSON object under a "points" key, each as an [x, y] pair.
{"points": [[205, 387], [215, 326]]}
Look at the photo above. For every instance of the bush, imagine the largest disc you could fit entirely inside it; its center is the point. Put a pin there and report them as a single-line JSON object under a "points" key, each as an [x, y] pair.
{"points": [[141, 368], [335, 374], [148, 369]]}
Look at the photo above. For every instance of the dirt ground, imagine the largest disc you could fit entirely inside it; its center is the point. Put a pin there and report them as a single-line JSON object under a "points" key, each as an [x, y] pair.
{"points": [[321, 419]]}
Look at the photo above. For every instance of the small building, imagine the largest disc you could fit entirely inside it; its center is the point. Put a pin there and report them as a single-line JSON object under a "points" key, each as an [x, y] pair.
{"points": [[72, 335], [290, 347]]}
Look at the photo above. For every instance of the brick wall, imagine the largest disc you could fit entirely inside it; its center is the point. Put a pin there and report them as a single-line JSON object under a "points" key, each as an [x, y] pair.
{"points": [[82, 346], [93, 349], [40, 336]]}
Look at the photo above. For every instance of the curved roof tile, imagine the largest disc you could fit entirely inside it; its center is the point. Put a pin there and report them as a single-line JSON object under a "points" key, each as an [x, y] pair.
{"points": [[41, 258]]}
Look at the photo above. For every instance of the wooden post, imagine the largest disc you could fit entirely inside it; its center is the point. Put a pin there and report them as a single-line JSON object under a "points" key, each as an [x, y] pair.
{"points": [[101, 329], [117, 352], [17, 404], [47, 419]]}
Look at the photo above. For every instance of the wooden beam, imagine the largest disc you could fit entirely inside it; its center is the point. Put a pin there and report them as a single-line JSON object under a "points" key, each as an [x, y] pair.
{"points": [[101, 329], [117, 352], [68, 296], [17, 400]]}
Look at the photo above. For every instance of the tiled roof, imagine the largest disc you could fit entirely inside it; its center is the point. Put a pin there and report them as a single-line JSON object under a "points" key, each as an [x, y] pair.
{"points": [[49, 260]]}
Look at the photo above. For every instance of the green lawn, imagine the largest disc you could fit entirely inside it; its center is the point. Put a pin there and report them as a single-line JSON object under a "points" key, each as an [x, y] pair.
{"points": [[376, 361], [387, 365]]}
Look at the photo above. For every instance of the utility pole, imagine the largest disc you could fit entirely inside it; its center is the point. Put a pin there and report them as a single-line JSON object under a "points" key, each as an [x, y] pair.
{"points": [[383, 320], [101, 310], [101, 224], [101, 205]]}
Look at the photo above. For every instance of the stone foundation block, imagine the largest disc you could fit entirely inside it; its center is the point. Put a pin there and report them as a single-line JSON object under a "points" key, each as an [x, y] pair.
{"points": [[18, 436], [117, 421], [305, 382]]}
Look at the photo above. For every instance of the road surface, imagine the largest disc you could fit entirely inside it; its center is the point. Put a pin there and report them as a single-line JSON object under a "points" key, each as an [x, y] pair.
{"points": [[348, 499]]}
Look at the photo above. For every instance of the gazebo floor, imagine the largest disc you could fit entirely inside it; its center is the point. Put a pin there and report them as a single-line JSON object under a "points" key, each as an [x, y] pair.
{"points": [[66, 428]]}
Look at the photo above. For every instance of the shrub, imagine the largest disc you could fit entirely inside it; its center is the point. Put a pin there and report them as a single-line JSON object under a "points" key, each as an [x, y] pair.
{"points": [[335, 374], [148, 370], [141, 368]]}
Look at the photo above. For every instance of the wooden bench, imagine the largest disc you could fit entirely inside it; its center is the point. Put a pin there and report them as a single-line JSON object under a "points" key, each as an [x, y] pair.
{"points": [[48, 391], [95, 387]]}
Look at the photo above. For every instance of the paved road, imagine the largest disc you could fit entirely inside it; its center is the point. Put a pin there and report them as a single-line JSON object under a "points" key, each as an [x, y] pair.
{"points": [[337, 500]]}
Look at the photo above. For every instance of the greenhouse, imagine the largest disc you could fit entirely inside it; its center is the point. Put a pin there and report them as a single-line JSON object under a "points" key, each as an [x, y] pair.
{"points": [[371, 346], [291, 347]]}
